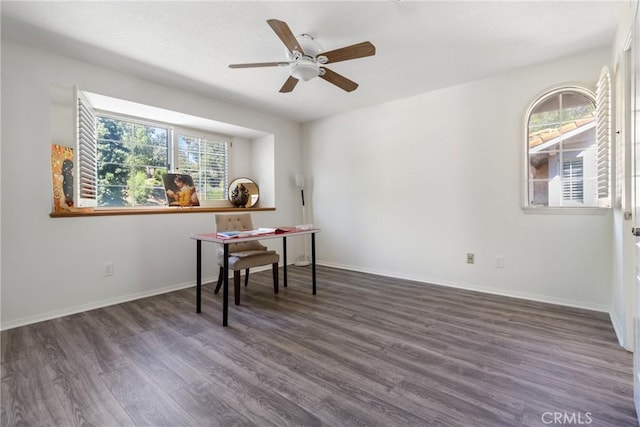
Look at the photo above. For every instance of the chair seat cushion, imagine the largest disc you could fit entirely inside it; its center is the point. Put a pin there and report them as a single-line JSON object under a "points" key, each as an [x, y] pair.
{"points": [[257, 259], [244, 254]]}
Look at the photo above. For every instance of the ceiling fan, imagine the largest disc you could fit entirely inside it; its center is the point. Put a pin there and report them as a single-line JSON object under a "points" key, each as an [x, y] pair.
{"points": [[306, 58]]}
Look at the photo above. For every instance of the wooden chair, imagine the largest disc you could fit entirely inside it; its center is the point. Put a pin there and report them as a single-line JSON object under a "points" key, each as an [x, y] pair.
{"points": [[244, 255]]}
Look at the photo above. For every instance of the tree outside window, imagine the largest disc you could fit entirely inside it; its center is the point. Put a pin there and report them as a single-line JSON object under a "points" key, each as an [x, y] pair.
{"points": [[132, 158]]}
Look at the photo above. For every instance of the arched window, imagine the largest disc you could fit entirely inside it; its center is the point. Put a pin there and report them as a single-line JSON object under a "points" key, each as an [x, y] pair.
{"points": [[562, 149]]}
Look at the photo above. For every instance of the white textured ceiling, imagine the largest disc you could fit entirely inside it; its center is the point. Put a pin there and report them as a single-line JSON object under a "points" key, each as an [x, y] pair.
{"points": [[421, 45]]}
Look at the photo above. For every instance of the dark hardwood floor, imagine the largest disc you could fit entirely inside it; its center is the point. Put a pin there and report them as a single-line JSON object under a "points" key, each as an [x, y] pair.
{"points": [[365, 351]]}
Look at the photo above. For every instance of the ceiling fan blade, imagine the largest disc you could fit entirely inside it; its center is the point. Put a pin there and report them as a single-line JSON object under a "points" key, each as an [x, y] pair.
{"points": [[339, 80], [359, 50], [259, 64], [289, 85], [283, 31]]}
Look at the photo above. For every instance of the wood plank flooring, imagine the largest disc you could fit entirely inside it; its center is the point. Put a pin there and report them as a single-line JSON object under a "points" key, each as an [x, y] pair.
{"points": [[365, 351]]}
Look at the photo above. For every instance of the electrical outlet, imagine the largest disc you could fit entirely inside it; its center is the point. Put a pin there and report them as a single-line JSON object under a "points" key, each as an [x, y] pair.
{"points": [[108, 269], [499, 261], [471, 258]]}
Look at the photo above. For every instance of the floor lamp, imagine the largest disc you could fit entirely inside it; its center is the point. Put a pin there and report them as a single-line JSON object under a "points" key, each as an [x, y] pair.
{"points": [[300, 184]]}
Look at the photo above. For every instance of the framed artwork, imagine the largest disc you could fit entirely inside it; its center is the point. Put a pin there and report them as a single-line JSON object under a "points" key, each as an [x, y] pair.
{"points": [[180, 190], [62, 175]]}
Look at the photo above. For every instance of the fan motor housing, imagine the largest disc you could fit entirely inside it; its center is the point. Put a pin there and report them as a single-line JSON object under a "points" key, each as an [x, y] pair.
{"points": [[310, 47]]}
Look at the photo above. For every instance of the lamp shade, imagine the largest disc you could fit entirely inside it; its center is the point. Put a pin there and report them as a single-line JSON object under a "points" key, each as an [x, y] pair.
{"points": [[299, 181], [304, 71]]}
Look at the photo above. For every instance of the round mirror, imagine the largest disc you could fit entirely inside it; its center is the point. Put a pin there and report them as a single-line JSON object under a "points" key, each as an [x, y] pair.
{"points": [[243, 193]]}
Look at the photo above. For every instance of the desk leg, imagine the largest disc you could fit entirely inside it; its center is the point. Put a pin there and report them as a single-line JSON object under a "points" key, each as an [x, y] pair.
{"points": [[225, 286], [284, 253], [198, 275], [313, 261]]}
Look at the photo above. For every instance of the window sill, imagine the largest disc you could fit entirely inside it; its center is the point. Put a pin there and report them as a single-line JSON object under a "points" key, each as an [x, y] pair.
{"points": [[150, 211], [566, 211]]}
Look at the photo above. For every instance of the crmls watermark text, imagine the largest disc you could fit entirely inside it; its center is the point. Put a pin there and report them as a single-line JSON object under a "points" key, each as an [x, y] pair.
{"points": [[567, 418]]}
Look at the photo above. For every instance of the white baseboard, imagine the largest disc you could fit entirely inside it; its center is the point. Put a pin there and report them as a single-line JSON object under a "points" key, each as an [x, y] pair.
{"points": [[138, 295], [617, 327], [100, 304], [105, 303], [502, 292]]}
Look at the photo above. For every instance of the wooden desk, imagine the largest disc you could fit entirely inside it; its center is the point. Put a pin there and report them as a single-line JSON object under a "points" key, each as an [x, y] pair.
{"points": [[214, 238]]}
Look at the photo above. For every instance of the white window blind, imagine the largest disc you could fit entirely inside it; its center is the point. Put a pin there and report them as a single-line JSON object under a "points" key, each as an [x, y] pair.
{"points": [[86, 157], [618, 159], [572, 180], [603, 137], [206, 160]]}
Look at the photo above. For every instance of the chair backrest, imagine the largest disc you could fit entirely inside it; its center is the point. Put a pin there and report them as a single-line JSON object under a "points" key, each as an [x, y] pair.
{"points": [[238, 222]]}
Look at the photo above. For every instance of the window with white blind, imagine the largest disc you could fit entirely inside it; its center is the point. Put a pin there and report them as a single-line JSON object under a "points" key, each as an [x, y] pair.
{"points": [[122, 159], [604, 137], [572, 181], [205, 158], [85, 136], [567, 139]]}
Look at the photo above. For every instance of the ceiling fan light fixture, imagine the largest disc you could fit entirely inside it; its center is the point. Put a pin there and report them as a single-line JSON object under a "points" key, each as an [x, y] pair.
{"points": [[306, 58], [304, 71]]}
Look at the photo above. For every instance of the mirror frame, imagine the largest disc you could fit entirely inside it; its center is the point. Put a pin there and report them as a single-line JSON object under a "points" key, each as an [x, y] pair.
{"points": [[252, 188]]}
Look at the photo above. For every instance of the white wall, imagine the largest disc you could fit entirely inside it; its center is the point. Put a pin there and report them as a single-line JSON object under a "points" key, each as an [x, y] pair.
{"points": [[408, 187], [51, 267], [405, 188], [262, 148], [622, 282]]}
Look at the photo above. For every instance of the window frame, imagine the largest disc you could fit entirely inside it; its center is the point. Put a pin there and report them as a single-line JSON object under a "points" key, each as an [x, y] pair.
{"points": [[138, 121], [85, 194], [216, 137], [526, 205], [172, 152]]}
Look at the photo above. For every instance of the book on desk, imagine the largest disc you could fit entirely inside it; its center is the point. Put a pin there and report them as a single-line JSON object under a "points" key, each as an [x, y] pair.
{"points": [[259, 231]]}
